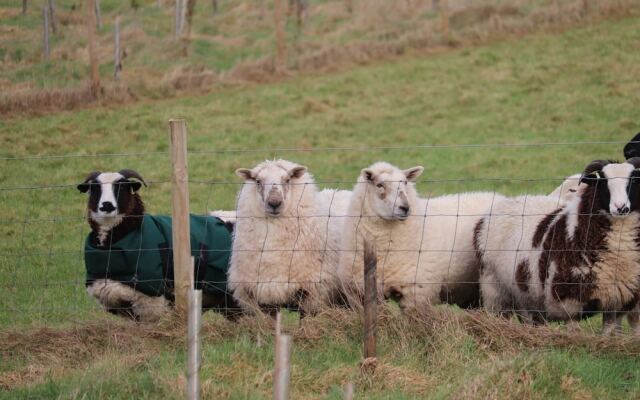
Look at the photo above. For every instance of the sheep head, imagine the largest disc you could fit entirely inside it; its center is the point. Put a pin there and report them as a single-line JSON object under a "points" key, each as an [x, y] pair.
{"points": [[390, 191], [112, 195], [273, 183], [613, 187]]}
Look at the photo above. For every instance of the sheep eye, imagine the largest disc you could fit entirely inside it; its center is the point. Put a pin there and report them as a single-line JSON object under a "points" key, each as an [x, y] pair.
{"points": [[258, 182], [380, 185]]}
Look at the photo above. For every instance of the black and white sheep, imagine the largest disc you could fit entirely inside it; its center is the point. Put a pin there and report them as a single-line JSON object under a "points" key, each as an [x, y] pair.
{"points": [[570, 260], [128, 252]]}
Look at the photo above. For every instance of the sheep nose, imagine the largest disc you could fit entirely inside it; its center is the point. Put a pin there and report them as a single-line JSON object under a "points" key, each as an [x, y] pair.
{"points": [[274, 204], [623, 210], [404, 209], [107, 206]]}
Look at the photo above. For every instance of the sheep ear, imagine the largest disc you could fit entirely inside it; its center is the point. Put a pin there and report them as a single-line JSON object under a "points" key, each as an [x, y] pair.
{"points": [[297, 172], [244, 173], [632, 149], [368, 174], [413, 173], [83, 187]]}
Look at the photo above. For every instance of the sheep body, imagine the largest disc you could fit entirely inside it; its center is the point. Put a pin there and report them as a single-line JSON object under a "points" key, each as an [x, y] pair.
{"points": [[428, 258], [289, 259], [561, 260]]}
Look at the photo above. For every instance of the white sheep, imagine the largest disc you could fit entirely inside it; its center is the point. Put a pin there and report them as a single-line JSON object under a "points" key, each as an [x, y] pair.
{"points": [[424, 246], [542, 260], [284, 247]]}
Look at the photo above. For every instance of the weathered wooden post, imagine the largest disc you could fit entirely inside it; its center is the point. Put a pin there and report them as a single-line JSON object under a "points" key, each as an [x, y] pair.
{"points": [[281, 47], [182, 264], [117, 62], [348, 391], [98, 14], [214, 6], [24, 7], [370, 299], [444, 19], [45, 29], [93, 55], [349, 6], [282, 365], [52, 15], [178, 22], [194, 358]]}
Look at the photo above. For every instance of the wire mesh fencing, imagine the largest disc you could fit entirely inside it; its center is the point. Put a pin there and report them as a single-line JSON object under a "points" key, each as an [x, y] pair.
{"points": [[481, 226]]}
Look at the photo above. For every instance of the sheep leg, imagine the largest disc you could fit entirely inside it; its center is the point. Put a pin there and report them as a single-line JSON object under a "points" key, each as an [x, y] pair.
{"points": [[573, 326], [493, 295], [611, 323], [633, 317]]}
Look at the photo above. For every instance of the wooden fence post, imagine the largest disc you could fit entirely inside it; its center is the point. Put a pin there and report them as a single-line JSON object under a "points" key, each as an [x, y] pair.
{"points": [[348, 391], [93, 54], [585, 7], [194, 359], [24, 7], [349, 5], [45, 29], [370, 298], [281, 47], [214, 6], [444, 19], [117, 62], [178, 21], [282, 367], [52, 15], [98, 14], [182, 265]]}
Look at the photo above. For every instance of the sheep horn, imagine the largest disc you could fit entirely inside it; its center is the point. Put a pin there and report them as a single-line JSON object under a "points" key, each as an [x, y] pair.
{"points": [[84, 186], [632, 149], [129, 173]]}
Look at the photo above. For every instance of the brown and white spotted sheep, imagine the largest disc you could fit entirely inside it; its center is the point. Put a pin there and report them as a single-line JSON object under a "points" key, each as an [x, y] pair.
{"points": [[566, 262]]}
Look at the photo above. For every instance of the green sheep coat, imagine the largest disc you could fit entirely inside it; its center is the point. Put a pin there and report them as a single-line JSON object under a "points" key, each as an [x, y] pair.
{"points": [[143, 259]]}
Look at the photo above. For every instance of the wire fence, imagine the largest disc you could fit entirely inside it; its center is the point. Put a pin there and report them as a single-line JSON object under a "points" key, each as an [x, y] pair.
{"points": [[286, 240]]}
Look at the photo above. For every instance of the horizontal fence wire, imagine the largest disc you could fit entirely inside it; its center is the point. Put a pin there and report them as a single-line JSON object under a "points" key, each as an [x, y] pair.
{"points": [[50, 277]]}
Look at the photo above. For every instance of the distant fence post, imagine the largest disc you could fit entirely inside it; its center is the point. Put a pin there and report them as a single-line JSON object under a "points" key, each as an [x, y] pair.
{"points": [[444, 19], [282, 365], [585, 7], [348, 391], [214, 6], [98, 14], [117, 62], [349, 5], [93, 55], [24, 7], [182, 265], [281, 47], [52, 15], [194, 359], [370, 298], [178, 21], [45, 29]]}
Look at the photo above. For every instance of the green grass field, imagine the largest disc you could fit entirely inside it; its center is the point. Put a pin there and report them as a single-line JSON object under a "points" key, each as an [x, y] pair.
{"points": [[577, 86]]}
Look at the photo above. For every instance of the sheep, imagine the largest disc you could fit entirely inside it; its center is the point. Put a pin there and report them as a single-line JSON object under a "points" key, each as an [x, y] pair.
{"points": [[284, 246], [424, 251], [565, 261], [128, 252]]}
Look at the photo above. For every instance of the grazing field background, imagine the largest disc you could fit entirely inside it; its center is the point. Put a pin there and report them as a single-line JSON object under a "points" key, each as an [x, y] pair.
{"points": [[548, 92]]}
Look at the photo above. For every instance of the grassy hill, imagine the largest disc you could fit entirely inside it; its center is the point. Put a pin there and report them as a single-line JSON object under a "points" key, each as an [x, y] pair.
{"points": [[237, 42], [577, 86]]}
